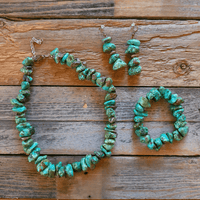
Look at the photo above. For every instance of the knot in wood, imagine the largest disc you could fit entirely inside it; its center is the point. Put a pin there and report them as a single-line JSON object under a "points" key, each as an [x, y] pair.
{"points": [[182, 67]]}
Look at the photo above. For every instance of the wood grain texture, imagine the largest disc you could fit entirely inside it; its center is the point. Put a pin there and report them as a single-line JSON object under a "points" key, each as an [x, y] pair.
{"points": [[117, 177], [86, 104], [156, 9], [164, 43]]}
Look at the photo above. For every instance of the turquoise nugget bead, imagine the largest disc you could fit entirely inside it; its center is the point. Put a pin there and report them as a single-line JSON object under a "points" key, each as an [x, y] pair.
{"points": [[182, 118], [142, 131], [69, 170], [107, 40], [144, 102], [109, 141], [29, 78], [151, 144], [19, 109], [22, 126], [173, 99], [133, 42], [179, 124], [178, 113], [21, 97], [70, 60], [52, 170], [111, 126], [167, 94], [113, 58], [58, 166], [95, 76], [170, 136], [139, 108], [45, 172], [118, 64], [145, 139], [134, 70], [55, 51], [183, 130], [132, 49], [95, 160], [158, 142], [26, 71], [30, 149], [140, 113], [62, 62], [109, 103], [154, 94], [174, 107], [25, 85], [40, 158], [88, 160], [106, 149], [16, 103], [26, 93], [34, 155], [42, 165], [90, 73], [164, 138], [107, 47], [177, 136], [27, 143], [76, 166], [83, 164], [81, 68], [161, 90], [134, 62], [20, 120], [138, 119], [81, 76], [25, 133], [110, 135], [61, 172], [110, 112], [27, 61]]}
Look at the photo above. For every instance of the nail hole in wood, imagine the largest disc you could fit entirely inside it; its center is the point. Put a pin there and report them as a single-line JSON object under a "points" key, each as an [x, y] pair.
{"points": [[85, 173]]}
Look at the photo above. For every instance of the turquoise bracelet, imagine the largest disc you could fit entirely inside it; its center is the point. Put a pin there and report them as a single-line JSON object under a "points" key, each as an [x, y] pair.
{"points": [[176, 109], [26, 130]]}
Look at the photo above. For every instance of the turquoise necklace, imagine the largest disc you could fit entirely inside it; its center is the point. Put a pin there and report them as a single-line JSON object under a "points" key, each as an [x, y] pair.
{"points": [[26, 130]]}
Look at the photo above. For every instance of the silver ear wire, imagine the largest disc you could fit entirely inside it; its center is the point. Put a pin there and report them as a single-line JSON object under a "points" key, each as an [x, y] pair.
{"points": [[134, 28]]}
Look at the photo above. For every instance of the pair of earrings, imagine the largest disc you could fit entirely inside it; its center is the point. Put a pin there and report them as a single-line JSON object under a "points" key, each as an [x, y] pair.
{"points": [[133, 48]]}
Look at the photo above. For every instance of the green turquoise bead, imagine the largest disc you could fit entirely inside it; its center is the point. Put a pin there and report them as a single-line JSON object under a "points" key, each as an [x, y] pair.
{"points": [[90, 73], [145, 139], [80, 68], [183, 131], [25, 85], [55, 51], [164, 138], [40, 158], [134, 62], [134, 70], [107, 47], [86, 71], [27, 61], [21, 98], [19, 109], [119, 63], [170, 136], [22, 126], [110, 135], [61, 172], [107, 40], [95, 160], [95, 76], [26, 93], [45, 172], [69, 170], [62, 62], [34, 155], [83, 164], [113, 58], [76, 166], [110, 112], [154, 94], [111, 126], [179, 124], [108, 83], [182, 118], [56, 58], [133, 42], [31, 148], [110, 103], [174, 107], [27, 143], [26, 132], [132, 49], [139, 108], [167, 94], [81, 76], [142, 131], [112, 89], [109, 141], [178, 113], [110, 96], [173, 99], [145, 114], [29, 79], [151, 144], [137, 125], [52, 170], [42, 165], [16, 103], [177, 136], [161, 90], [100, 81], [70, 60], [106, 149], [58, 166], [26, 71], [99, 154], [179, 101], [88, 160], [138, 119], [144, 102], [158, 143]]}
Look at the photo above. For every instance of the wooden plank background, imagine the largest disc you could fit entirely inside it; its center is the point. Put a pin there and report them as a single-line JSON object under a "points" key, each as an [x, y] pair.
{"points": [[68, 114]]}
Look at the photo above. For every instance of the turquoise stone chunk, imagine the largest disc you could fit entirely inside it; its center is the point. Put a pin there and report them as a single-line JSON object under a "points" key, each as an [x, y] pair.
{"points": [[81, 76], [179, 124], [138, 119], [154, 94], [177, 136], [178, 113], [26, 132], [86, 71], [119, 63], [183, 131], [182, 118], [108, 83], [61, 172], [27, 143], [132, 49], [83, 164], [174, 107], [58, 166], [161, 90], [29, 79], [179, 101], [80, 68], [19, 109], [145, 114], [139, 108], [109, 141], [113, 58], [164, 138], [110, 96], [90, 73], [134, 70], [40, 158], [42, 165], [110, 112], [76, 166], [110, 135], [25, 85], [167, 94], [107, 40], [144, 102], [112, 89], [170, 136], [173, 99], [55, 51], [107, 47], [62, 61], [151, 144], [69, 170], [26, 71], [26, 93], [145, 139], [110, 103], [88, 160], [22, 126], [34, 155], [134, 62], [21, 98], [52, 170], [69, 60], [16, 103], [45, 172], [158, 143], [99, 154], [56, 58], [106, 149], [137, 125], [27, 61], [142, 131], [95, 76], [31, 148], [95, 160], [111, 126], [100, 81], [133, 42]]}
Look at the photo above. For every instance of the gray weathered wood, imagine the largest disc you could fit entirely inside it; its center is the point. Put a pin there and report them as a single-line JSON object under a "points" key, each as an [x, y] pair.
{"points": [[163, 44]]}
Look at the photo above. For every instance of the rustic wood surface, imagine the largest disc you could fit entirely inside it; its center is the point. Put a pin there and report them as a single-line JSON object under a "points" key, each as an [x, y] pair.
{"points": [[68, 114]]}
